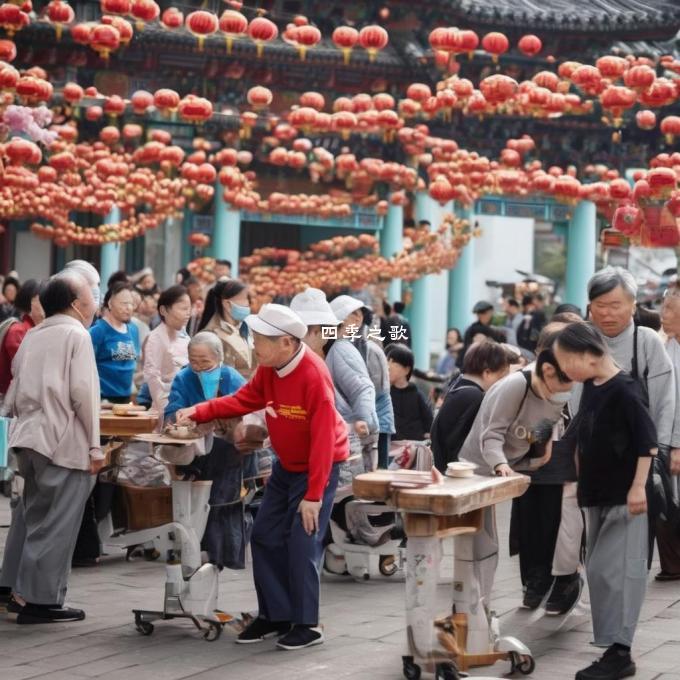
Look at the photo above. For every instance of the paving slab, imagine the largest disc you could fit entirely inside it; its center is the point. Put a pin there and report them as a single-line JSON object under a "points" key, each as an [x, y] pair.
{"points": [[364, 626]]}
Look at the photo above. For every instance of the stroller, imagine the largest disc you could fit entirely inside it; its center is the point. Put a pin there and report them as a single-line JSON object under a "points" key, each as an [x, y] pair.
{"points": [[368, 539]]}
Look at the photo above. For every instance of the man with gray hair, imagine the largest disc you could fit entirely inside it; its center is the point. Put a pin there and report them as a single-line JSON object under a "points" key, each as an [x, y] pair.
{"points": [[612, 294], [54, 399]]}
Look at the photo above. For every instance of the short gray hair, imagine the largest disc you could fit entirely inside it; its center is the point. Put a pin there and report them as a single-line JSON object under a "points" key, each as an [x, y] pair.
{"points": [[607, 279], [85, 269], [209, 340]]}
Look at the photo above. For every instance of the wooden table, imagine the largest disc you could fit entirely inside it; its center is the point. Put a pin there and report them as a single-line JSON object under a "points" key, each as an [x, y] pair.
{"points": [[455, 508], [127, 426]]}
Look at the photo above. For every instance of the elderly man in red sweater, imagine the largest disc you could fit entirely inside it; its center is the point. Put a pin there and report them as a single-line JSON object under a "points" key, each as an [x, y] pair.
{"points": [[295, 389]]}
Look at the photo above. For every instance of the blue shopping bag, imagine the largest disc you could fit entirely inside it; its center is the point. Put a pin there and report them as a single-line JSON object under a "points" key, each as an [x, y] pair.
{"points": [[4, 441]]}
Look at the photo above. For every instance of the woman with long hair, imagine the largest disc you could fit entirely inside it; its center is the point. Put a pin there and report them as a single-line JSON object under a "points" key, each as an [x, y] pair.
{"points": [[226, 307]]}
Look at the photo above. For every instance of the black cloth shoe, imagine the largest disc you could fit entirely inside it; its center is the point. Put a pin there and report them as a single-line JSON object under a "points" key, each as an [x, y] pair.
{"points": [[665, 576], [565, 594], [301, 637], [13, 607], [614, 664], [261, 629], [534, 594], [48, 613], [5, 597]]}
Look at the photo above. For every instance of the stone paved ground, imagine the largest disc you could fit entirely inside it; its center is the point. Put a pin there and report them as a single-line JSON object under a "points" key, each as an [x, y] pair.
{"points": [[364, 629]]}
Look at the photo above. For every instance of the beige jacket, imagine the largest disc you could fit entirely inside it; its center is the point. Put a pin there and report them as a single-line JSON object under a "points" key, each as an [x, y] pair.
{"points": [[54, 396], [238, 352]]}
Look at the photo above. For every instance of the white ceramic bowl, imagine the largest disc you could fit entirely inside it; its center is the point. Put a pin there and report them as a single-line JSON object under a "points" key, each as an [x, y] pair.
{"points": [[460, 468]]}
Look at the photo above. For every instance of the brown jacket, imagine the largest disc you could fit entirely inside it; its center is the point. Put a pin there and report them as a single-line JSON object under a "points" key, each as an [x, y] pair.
{"points": [[238, 352]]}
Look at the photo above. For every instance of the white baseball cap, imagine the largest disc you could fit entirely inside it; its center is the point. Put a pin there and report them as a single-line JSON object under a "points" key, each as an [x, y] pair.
{"points": [[344, 305], [275, 321], [313, 308]]}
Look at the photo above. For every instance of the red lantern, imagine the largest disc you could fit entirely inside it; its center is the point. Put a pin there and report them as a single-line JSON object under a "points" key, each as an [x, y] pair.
{"points": [[645, 119], [619, 189], [172, 18], [94, 113], [80, 33], [306, 37], [373, 39], [662, 92], [166, 100], [114, 106], [469, 41], [195, 109], [314, 100], [628, 220], [123, 26], [118, 7], [72, 93], [495, 44], [445, 39], [145, 11], [418, 92], [132, 131], [639, 77], [12, 19], [530, 45], [60, 14], [441, 190], [234, 25], [344, 122], [8, 50], [22, 152], [259, 97], [260, 31], [670, 126], [104, 40], [617, 99], [345, 38], [110, 135], [611, 67], [201, 24], [141, 102], [498, 88]]}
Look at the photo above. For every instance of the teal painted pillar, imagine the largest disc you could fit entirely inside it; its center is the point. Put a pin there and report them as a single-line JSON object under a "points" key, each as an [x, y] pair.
{"points": [[226, 242], [420, 311], [460, 283], [110, 253], [391, 243], [581, 243]]}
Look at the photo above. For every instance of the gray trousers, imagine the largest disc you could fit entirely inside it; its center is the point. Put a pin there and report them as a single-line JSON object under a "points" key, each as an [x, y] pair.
{"points": [[616, 567], [485, 553], [48, 519]]}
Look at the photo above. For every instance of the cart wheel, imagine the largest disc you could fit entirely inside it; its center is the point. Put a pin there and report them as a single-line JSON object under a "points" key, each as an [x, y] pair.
{"points": [[144, 627], [387, 565], [411, 669], [151, 554], [213, 631], [526, 665], [446, 671]]}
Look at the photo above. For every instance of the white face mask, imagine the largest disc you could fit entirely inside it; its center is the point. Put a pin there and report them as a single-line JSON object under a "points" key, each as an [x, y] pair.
{"points": [[96, 294]]}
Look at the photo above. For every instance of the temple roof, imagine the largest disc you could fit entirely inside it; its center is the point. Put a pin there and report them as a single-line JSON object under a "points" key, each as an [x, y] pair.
{"points": [[619, 16]]}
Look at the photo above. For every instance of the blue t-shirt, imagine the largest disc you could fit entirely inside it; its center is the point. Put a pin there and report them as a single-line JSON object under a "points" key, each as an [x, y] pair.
{"points": [[116, 356]]}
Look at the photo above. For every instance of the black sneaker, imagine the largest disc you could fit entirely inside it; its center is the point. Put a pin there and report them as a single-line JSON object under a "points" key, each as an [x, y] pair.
{"points": [[565, 594], [300, 637], [534, 594], [48, 613], [614, 664], [261, 629], [5, 598]]}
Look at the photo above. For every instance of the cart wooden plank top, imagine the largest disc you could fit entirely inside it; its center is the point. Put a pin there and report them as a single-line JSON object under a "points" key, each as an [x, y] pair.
{"points": [[127, 426], [456, 496]]}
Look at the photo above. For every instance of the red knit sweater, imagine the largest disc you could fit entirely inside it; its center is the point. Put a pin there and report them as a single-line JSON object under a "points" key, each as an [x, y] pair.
{"points": [[306, 431]]}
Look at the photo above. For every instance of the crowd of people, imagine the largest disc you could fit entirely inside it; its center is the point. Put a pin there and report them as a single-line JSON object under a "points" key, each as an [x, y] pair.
{"points": [[584, 406]]}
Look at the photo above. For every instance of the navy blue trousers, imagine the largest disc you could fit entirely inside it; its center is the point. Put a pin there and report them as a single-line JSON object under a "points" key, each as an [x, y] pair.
{"points": [[286, 561]]}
